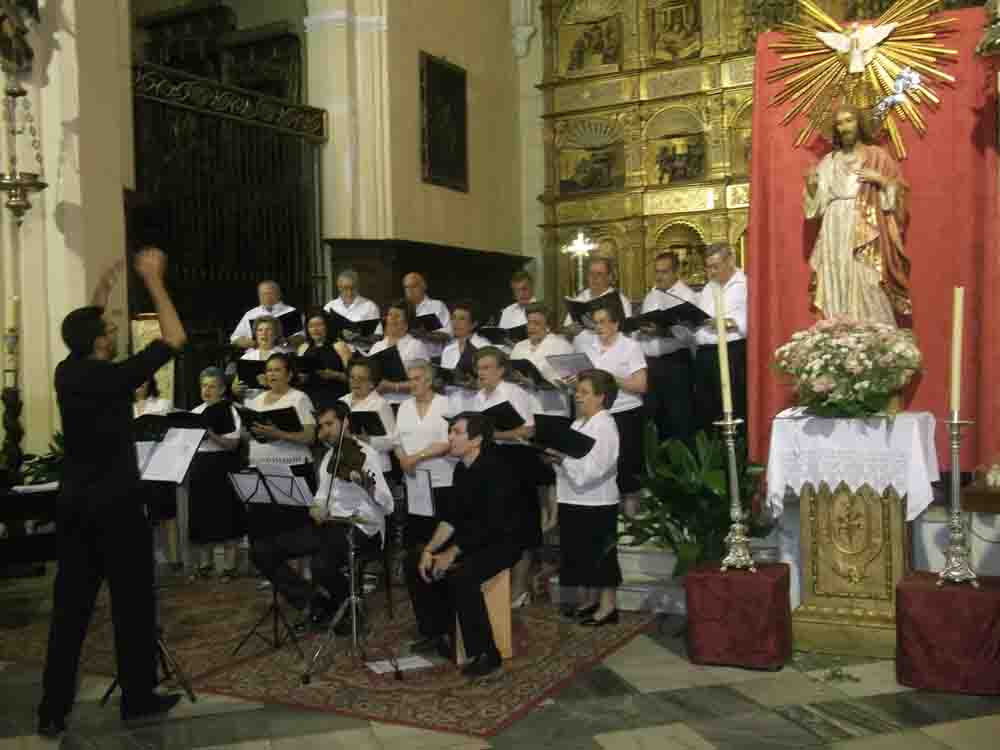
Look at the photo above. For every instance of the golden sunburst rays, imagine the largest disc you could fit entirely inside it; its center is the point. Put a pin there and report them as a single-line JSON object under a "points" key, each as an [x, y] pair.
{"points": [[816, 77]]}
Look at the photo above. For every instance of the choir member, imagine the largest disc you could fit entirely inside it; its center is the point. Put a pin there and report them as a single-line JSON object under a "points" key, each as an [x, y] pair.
{"points": [[670, 399], [327, 380], [362, 375], [215, 513], [542, 343], [415, 293], [161, 498], [268, 332], [474, 543], [149, 401], [621, 356], [460, 354], [103, 531], [492, 366], [269, 296], [720, 264], [422, 451], [587, 489], [325, 541], [292, 448], [600, 281], [397, 333], [349, 301], [522, 286]]}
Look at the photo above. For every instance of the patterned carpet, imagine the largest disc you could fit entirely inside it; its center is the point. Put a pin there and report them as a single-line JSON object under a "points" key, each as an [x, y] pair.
{"points": [[203, 623]]}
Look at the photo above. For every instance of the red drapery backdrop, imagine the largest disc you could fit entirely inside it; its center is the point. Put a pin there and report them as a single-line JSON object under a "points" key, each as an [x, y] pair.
{"points": [[951, 240]]}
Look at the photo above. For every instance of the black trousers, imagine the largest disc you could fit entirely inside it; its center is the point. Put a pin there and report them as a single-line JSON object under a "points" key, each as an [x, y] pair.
{"points": [[436, 603], [708, 386], [326, 543], [670, 400], [112, 543]]}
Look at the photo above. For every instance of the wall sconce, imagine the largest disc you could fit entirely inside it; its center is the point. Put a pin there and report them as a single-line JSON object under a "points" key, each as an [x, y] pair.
{"points": [[579, 249], [17, 184]]}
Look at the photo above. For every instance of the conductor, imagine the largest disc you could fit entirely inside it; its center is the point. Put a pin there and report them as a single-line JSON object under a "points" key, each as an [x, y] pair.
{"points": [[102, 528]]}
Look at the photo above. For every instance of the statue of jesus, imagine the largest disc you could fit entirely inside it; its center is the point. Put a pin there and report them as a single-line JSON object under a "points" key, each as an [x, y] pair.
{"points": [[860, 269]]}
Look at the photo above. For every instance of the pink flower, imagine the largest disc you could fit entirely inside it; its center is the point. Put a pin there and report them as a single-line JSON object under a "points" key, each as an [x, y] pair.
{"points": [[822, 384]]}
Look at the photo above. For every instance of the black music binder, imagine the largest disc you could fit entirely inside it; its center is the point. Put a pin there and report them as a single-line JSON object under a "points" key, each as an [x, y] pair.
{"points": [[685, 314], [291, 323], [579, 310], [427, 323], [557, 433], [505, 417], [390, 364], [527, 368], [247, 371], [503, 336], [286, 419], [338, 324], [368, 422]]}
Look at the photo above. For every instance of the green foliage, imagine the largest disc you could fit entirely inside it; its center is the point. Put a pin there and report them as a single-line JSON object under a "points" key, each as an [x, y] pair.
{"points": [[45, 468], [685, 505]]}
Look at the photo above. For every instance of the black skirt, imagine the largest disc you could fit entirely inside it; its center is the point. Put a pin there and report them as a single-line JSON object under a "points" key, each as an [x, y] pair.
{"points": [[525, 466], [160, 499], [215, 513], [588, 546], [630, 424]]}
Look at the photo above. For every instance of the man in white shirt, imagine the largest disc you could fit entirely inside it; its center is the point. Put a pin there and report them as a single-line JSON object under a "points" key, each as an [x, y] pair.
{"points": [[324, 540], [415, 292], [269, 296], [720, 264], [522, 286], [600, 281], [669, 400], [349, 301]]}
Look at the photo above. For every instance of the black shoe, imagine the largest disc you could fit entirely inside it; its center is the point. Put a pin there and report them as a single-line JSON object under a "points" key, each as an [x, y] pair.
{"points": [[582, 614], [484, 664], [435, 644], [321, 611], [51, 726], [150, 707], [592, 622]]}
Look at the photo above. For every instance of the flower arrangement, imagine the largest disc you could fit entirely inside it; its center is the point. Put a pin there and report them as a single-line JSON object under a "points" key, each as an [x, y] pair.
{"points": [[846, 368]]}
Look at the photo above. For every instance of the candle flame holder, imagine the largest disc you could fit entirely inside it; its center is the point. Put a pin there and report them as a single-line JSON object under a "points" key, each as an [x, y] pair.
{"points": [[957, 568], [737, 541]]}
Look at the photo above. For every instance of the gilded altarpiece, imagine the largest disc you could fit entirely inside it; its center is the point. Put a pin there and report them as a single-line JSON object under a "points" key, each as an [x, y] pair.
{"points": [[647, 129]]}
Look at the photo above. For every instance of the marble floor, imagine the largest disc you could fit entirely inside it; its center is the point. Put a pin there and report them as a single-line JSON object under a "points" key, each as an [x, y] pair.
{"points": [[646, 695]]}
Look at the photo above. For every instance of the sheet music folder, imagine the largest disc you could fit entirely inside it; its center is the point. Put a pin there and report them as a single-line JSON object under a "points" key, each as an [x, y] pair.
{"points": [[428, 323], [578, 309], [527, 368], [368, 422], [497, 335], [291, 323], [684, 313], [557, 433], [247, 371], [166, 444], [568, 365], [286, 419], [390, 364], [505, 417], [340, 323]]}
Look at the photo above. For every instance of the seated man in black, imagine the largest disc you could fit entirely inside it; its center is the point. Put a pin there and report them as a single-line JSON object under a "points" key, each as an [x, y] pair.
{"points": [[326, 541], [470, 546], [102, 528]]}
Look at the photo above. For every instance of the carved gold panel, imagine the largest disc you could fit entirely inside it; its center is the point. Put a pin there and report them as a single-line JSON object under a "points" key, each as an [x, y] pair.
{"points": [[678, 200], [674, 30], [738, 196], [737, 72], [657, 84], [597, 208], [600, 93]]}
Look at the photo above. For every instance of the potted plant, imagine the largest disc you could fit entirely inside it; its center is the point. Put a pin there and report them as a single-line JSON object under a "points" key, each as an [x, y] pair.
{"points": [[685, 504]]}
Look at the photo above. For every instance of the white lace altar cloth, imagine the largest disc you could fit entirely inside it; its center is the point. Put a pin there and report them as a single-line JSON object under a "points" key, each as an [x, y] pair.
{"points": [[878, 451]]}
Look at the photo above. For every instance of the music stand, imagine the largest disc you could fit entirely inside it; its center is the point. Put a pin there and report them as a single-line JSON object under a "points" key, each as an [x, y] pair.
{"points": [[248, 484]]}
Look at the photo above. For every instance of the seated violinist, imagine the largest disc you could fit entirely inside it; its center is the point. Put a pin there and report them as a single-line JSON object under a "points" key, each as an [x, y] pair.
{"points": [[321, 536]]}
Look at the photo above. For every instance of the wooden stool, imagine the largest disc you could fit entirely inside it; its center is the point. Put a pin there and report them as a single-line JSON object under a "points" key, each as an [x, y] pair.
{"points": [[497, 593], [947, 637], [739, 618]]}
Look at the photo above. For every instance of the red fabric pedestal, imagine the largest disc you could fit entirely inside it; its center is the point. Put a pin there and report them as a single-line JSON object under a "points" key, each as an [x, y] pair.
{"points": [[738, 618], [948, 638]]}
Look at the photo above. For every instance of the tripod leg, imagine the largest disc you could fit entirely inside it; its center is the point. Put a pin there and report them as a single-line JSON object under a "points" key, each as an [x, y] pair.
{"points": [[289, 631], [327, 640], [107, 693], [253, 632], [170, 665]]}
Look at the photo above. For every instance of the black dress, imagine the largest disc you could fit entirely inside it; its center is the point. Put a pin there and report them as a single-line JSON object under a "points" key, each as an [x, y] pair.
{"points": [[215, 512], [323, 392]]}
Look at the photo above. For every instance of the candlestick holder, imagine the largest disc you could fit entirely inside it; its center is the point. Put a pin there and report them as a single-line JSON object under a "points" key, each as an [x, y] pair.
{"points": [[737, 542], [957, 568]]}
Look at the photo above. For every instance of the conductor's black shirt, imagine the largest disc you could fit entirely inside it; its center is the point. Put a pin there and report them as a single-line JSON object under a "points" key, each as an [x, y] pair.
{"points": [[95, 401]]}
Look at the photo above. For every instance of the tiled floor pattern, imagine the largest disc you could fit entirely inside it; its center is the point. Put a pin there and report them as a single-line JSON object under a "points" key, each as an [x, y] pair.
{"points": [[646, 695]]}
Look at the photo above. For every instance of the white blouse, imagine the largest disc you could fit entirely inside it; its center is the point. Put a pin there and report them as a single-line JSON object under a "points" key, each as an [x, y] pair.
{"points": [[414, 433], [545, 401], [283, 451], [410, 350], [515, 394], [152, 406], [451, 354], [622, 359], [382, 444], [210, 446], [593, 479]]}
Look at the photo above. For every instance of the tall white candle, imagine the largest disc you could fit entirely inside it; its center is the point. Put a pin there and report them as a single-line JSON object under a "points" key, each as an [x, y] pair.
{"points": [[957, 317], [720, 327]]}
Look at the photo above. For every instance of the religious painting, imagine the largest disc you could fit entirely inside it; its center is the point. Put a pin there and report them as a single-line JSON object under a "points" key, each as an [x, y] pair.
{"points": [[444, 123], [674, 30], [686, 242], [739, 143], [676, 159], [592, 169], [590, 47]]}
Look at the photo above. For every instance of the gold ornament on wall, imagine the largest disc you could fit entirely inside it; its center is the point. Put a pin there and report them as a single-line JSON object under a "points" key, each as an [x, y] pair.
{"points": [[830, 62]]}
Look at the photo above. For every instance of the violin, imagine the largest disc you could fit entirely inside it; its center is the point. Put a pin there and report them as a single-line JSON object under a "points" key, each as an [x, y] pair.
{"points": [[349, 464]]}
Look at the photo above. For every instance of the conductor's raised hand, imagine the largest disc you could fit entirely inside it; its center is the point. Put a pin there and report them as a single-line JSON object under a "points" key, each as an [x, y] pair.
{"points": [[151, 264]]}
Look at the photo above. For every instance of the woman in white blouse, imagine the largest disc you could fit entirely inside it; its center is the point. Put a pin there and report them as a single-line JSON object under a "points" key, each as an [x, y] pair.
{"points": [[291, 448], [267, 334], [491, 366], [149, 401], [612, 351], [161, 498], [422, 450], [460, 354], [587, 489], [542, 343], [397, 333], [361, 377], [215, 513]]}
